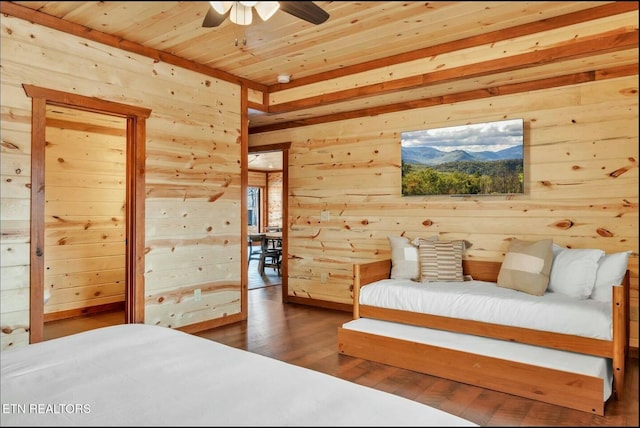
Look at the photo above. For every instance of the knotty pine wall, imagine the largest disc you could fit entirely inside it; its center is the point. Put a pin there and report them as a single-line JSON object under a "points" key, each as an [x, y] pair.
{"points": [[581, 179], [274, 199], [257, 179], [85, 201], [193, 172]]}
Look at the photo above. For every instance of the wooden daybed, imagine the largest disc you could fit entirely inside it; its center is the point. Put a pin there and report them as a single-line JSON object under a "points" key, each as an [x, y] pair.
{"points": [[564, 388]]}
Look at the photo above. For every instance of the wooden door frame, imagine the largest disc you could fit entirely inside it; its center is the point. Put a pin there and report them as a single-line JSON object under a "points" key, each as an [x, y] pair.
{"points": [[135, 185], [284, 269]]}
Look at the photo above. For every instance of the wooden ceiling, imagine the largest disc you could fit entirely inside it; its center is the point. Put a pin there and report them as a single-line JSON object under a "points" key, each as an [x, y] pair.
{"points": [[357, 38]]}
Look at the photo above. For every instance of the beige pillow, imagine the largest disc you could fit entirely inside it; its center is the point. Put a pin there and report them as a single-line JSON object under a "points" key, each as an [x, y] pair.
{"points": [[404, 257], [441, 260], [526, 266]]}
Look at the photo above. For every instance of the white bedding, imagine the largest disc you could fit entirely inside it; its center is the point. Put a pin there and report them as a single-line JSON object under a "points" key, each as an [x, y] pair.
{"points": [[512, 351], [135, 375], [485, 301]]}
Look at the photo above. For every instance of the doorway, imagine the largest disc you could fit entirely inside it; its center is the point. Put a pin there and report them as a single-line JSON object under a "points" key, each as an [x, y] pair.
{"points": [[84, 220], [267, 208], [52, 261]]}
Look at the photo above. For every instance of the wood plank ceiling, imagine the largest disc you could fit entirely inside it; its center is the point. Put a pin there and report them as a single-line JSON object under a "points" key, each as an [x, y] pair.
{"points": [[359, 37]]}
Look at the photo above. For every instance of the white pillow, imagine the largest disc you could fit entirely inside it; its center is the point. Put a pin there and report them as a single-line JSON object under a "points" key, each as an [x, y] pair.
{"points": [[573, 272], [611, 271], [404, 257]]}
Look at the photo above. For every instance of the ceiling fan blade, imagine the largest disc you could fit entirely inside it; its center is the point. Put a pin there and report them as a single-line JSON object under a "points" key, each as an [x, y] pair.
{"points": [[306, 10], [213, 18]]}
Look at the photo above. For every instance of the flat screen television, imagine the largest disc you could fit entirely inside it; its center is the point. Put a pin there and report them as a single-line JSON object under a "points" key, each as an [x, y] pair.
{"points": [[477, 159]]}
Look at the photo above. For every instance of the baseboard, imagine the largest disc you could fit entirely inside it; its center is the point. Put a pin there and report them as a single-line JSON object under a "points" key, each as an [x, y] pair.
{"points": [[319, 303], [90, 310], [208, 325]]}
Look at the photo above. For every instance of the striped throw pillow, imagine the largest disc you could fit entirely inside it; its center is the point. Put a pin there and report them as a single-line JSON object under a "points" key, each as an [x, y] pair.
{"points": [[526, 266], [441, 260]]}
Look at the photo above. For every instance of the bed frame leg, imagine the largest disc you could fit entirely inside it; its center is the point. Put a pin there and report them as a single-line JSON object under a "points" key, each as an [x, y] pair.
{"points": [[618, 382], [620, 338]]}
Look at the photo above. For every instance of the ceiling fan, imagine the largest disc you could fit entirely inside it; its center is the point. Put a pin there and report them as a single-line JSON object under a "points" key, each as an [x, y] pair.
{"points": [[241, 12]]}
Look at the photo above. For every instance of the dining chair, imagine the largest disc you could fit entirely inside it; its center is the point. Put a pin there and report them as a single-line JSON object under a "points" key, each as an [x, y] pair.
{"points": [[255, 251], [271, 255]]}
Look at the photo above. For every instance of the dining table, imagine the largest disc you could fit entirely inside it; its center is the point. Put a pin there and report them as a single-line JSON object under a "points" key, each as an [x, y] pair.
{"points": [[274, 239]]}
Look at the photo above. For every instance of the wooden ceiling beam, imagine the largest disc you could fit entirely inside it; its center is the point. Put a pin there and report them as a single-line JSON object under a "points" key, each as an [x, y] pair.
{"points": [[563, 52], [598, 12], [570, 79]]}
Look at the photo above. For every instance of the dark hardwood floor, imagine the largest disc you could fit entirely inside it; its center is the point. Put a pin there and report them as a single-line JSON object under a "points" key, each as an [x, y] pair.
{"points": [[307, 337], [65, 327], [270, 277]]}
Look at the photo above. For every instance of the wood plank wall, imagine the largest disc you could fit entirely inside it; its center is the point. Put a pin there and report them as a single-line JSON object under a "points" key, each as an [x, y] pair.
{"points": [[274, 199], [581, 178], [85, 200], [193, 173], [257, 179]]}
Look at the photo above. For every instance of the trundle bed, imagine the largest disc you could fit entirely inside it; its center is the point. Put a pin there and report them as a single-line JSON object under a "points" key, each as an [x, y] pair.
{"points": [[565, 366], [144, 375]]}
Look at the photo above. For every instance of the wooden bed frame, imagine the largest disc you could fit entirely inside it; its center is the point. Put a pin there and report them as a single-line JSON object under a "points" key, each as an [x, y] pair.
{"points": [[566, 389]]}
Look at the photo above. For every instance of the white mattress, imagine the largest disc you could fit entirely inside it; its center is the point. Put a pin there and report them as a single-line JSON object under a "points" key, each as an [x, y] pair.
{"points": [[485, 301], [135, 375], [512, 351]]}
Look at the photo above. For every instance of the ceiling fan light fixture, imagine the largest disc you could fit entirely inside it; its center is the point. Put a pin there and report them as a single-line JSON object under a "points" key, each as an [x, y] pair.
{"points": [[240, 14], [266, 9], [221, 7]]}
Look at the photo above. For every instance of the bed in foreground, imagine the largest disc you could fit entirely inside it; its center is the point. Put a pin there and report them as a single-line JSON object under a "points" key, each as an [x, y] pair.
{"points": [[135, 374]]}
